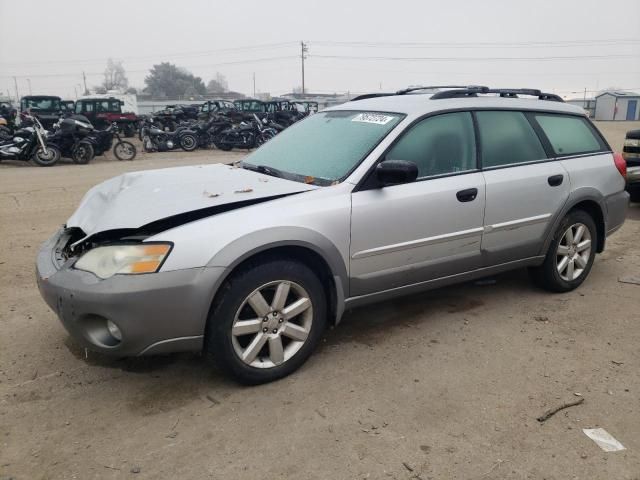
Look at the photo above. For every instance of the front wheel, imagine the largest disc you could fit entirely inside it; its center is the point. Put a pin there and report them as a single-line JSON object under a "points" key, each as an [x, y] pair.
{"points": [[124, 150], [188, 142], [266, 321], [47, 159], [571, 254], [82, 153]]}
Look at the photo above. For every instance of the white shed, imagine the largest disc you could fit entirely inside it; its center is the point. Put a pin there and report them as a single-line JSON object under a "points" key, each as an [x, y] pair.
{"points": [[615, 105]]}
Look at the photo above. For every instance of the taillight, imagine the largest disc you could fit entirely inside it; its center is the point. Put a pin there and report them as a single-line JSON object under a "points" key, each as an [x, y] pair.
{"points": [[621, 164]]}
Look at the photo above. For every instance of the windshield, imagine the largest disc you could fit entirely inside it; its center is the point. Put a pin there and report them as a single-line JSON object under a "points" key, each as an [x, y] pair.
{"points": [[325, 147], [42, 103]]}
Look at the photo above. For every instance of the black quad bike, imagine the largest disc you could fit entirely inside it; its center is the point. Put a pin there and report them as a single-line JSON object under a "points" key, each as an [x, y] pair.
{"points": [[29, 143]]}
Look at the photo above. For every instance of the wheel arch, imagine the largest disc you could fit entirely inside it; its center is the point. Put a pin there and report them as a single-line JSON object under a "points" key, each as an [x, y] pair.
{"points": [[314, 250], [590, 201]]}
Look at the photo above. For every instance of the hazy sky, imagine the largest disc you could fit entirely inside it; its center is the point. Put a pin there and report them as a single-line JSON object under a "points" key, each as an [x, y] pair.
{"points": [[561, 45]]}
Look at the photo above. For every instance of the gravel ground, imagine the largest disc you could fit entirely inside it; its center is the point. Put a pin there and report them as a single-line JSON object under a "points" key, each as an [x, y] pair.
{"points": [[446, 384]]}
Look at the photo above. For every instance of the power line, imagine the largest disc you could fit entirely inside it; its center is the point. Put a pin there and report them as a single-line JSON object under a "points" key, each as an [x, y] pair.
{"points": [[437, 44], [239, 62], [159, 55], [472, 59]]}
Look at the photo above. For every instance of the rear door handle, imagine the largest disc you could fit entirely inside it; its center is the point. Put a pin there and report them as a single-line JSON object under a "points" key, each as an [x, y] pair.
{"points": [[555, 180], [468, 195]]}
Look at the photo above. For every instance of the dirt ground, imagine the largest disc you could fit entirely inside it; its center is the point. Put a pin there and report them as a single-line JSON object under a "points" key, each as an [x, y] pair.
{"points": [[442, 385]]}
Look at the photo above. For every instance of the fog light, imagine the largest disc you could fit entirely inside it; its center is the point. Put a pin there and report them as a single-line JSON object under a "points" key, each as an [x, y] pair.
{"points": [[114, 330]]}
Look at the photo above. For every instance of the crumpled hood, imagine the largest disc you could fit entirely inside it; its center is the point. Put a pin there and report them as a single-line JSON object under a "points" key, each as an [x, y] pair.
{"points": [[135, 199]]}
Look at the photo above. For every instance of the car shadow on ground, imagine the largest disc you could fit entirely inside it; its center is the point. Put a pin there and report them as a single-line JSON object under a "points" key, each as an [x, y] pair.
{"points": [[367, 325]]}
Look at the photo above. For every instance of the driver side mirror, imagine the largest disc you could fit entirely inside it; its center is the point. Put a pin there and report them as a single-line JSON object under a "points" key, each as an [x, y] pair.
{"points": [[396, 172]]}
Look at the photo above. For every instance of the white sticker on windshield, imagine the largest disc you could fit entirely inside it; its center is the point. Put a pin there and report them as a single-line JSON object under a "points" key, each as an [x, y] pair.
{"points": [[377, 118]]}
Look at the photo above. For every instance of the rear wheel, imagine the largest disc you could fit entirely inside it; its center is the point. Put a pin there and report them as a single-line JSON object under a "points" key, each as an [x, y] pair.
{"points": [[267, 320], [124, 151], [571, 254], [48, 158], [82, 153]]}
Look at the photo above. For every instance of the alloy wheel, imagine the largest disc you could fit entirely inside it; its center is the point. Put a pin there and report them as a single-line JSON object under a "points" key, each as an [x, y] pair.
{"points": [[573, 252], [272, 324]]}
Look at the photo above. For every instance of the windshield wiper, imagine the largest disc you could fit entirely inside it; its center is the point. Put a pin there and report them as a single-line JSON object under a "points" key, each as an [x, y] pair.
{"points": [[274, 172]]}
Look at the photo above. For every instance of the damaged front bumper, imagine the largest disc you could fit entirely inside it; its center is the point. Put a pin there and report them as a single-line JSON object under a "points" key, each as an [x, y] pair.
{"points": [[154, 313]]}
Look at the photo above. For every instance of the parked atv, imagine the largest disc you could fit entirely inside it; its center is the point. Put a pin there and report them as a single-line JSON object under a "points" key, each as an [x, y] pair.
{"points": [[102, 112], [47, 107]]}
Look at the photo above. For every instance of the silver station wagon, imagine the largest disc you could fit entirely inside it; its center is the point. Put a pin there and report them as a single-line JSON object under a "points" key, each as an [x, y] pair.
{"points": [[387, 195]]}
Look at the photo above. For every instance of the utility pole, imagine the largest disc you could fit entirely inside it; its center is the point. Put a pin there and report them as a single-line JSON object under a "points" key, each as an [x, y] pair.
{"points": [[254, 84], [29, 82], [76, 92], [303, 50], [15, 83], [84, 77]]}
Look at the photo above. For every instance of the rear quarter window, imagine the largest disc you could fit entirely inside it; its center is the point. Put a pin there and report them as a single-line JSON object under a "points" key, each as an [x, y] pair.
{"points": [[569, 135]]}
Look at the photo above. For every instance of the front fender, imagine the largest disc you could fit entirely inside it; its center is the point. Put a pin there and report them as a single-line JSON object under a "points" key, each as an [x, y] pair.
{"points": [[259, 241]]}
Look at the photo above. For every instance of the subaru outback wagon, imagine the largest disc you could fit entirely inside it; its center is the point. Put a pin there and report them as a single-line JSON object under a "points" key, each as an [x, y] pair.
{"points": [[383, 196]]}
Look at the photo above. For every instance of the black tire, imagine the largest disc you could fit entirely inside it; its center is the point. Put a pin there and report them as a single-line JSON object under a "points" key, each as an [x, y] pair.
{"points": [[82, 153], [46, 160], [188, 142], [219, 343], [125, 151], [547, 275], [635, 195]]}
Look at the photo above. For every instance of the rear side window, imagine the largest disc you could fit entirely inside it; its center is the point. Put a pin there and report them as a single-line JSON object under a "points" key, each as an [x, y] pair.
{"points": [[568, 135], [507, 138], [438, 145]]}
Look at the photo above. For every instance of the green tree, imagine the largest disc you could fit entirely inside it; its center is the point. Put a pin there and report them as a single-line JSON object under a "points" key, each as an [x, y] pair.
{"points": [[168, 80]]}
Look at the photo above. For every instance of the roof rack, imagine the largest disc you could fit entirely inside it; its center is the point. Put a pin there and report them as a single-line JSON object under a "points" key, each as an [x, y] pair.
{"points": [[404, 91], [463, 91], [473, 91]]}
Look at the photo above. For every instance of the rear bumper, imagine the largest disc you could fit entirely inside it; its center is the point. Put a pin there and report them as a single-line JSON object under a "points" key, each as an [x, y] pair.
{"points": [[617, 206], [156, 313]]}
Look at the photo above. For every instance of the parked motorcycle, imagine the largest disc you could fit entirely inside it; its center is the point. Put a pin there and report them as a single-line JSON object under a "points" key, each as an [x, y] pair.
{"points": [[157, 140], [29, 143], [102, 141], [246, 135], [70, 137]]}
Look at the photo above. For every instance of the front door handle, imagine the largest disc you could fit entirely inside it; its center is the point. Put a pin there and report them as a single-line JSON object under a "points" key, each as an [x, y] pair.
{"points": [[468, 195], [555, 180]]}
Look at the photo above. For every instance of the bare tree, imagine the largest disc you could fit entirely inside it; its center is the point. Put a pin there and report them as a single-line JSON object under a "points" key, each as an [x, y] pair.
{"points": [[218, 84], [115, 77]]}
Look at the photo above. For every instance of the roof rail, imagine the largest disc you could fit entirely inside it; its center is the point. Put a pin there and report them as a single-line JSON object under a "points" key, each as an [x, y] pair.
{"points": [[473, 91], [371, 95], [428, 87]]}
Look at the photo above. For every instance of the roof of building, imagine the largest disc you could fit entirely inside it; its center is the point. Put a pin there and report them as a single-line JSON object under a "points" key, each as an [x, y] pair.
{"points": [[618, 93]]}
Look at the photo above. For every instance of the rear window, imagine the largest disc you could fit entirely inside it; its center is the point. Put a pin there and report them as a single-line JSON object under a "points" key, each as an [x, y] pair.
{"points": [[568, 135], [507, 138]]}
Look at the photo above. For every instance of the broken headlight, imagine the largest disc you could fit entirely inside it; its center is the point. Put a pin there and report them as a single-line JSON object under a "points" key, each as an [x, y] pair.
{"points": [[105, 262]]}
